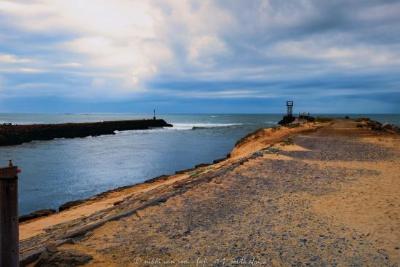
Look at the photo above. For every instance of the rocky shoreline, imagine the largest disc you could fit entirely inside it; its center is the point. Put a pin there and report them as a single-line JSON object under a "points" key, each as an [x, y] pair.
{"points": [[18, 134]]}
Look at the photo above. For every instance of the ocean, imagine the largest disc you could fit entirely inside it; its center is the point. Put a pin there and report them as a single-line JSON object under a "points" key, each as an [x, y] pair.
{"points": [[61, 170]]}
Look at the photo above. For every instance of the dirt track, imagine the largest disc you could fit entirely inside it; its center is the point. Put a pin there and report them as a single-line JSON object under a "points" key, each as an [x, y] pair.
{"points": [[327, 197]]}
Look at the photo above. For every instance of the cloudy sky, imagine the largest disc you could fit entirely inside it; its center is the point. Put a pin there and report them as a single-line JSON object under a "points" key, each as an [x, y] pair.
{"points": [[199, 56]]}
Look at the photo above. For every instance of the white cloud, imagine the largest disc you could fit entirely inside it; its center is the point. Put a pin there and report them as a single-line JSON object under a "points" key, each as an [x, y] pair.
{"points": [[202, 49], [13, 59], [22, 70], [134, 40], [10, 63], [69, 65], [29, 70], [100, 17]]}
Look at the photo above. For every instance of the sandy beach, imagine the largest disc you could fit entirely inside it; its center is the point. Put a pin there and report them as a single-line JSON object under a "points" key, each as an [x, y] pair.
{"points": [[314, 194]]}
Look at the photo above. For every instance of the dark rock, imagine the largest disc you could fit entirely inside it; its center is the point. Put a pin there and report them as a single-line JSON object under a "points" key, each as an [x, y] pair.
{"points": [[184, 171], [202, 165], [286, 120], [303, 240], [391, 128], [36, 214], [218, 160], [71, 204], [54, 257], [306, 117], [155, 179], [116, 203], [377, 126], [315, 258], [374, 125]]}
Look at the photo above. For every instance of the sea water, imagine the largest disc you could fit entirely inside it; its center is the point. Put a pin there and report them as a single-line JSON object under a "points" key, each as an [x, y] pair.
{"points": [[61, 170]]}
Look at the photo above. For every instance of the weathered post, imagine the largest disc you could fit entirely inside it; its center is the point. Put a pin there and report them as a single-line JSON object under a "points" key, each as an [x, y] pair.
{"points": [[9, 236]]}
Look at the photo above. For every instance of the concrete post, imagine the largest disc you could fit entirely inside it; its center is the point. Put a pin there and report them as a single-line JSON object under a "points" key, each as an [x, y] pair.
{"points": [[9, 232]]}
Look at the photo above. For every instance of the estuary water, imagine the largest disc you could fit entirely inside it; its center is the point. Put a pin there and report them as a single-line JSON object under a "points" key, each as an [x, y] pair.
{"points": [[61, 170]]}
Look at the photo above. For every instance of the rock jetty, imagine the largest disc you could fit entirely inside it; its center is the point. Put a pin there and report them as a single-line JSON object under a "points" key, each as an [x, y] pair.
{"points": [[18, 134]]}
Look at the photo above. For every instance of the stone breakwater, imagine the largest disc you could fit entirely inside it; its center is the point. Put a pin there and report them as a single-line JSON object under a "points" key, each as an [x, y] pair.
{"points": [[18, 134]]}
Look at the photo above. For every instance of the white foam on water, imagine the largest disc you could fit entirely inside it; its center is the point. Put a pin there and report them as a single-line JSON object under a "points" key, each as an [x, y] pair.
{"points": [[179, 127], [144, 131], [190, 126]]}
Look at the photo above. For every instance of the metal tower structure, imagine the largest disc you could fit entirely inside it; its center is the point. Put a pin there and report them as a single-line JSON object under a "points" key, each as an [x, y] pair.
{"points": [[289, 105]]}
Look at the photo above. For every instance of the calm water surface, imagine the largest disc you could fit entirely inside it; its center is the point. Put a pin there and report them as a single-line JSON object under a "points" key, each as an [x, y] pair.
{"points": [[61, 170]]}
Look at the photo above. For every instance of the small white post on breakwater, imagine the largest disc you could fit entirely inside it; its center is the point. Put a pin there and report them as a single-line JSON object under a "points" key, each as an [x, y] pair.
{"points": [[9, 232]]}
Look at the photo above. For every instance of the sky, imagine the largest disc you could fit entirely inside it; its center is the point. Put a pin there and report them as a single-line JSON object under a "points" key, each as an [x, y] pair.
{"points": [[205, 56]]}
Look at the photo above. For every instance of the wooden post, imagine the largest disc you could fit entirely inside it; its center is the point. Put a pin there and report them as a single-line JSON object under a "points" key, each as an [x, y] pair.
{"points": [[9, 232]]}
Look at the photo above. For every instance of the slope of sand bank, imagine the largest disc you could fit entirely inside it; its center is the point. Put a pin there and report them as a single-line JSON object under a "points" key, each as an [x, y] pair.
{"points": [[317, 194]]}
